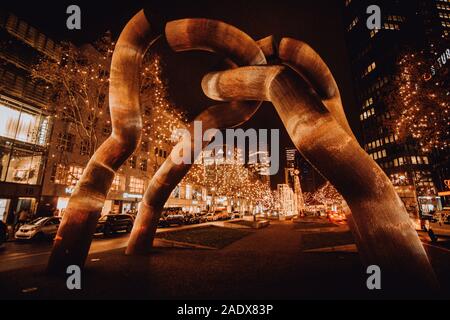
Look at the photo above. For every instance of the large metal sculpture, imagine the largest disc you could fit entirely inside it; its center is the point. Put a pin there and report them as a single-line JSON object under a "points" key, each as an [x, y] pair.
{"points": [[75, 234], [307, 99]]}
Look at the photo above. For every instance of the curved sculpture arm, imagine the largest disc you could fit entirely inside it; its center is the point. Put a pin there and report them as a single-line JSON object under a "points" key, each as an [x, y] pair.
{"points": [[304, 59], [388, 238], [75, 233], [238, 48], [214, 36]]}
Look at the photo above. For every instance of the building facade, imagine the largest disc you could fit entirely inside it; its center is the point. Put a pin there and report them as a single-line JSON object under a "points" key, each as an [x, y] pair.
{"points": [[42, 156], [414, 25], [25, 122]]}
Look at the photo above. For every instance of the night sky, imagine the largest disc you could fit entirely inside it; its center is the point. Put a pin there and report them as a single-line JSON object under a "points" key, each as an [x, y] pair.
{"points": [[317, 22]]}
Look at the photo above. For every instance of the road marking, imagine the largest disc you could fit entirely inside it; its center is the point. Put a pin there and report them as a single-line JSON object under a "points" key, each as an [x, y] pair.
{"points": [[433, 246]]}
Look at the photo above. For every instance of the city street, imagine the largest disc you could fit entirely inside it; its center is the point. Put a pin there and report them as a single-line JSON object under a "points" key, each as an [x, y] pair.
{"points": [[20, 254], [285, 260]]}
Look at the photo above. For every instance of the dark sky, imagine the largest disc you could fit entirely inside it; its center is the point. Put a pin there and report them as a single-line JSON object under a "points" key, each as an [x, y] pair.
{"points": [[317, 22]]}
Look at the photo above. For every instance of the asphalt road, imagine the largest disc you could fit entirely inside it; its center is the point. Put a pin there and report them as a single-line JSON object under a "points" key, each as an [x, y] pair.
{"points": [[21, 254], [269, 263], [16, 255]]}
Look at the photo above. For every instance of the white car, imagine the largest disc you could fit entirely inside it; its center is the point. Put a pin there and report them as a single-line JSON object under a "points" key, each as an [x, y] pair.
{"points": [[439, 225], [39, 229]]}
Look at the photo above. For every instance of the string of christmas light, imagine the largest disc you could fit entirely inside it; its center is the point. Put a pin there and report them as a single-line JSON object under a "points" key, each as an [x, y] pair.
{"points": [[325, 195], [78, 85], [230, 178], [420, 107]]}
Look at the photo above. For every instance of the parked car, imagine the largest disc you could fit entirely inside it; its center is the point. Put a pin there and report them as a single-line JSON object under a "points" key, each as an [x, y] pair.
{"points": [[40, 228], [111, 223], [222, 215], [202, 217], [3, 233], [439, 225], [171, 217], [191, 218], [212, 216], [236, 215]]}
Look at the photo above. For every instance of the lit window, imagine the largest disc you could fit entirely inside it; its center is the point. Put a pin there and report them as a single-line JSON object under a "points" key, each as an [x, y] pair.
{"points": [[136, 185], [118, 183], [73, 175]]}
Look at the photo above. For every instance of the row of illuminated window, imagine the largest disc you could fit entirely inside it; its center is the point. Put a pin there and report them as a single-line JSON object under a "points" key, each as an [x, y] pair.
{"points": [[444, 15], [70, 175], [32, 36], [133, 163], [353, 24], [445, 24], [374, 89], [443, 6], [379, 154], [373, 32], [367, 114], [396, 18], [381, 142], [414, 160], [371, 67], [367, 103], [391, 26]]}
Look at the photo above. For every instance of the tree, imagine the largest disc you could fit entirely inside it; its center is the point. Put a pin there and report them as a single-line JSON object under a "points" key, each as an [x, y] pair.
{"points": [[79, 84], [418, 103], [230, 178], [326, 195]]}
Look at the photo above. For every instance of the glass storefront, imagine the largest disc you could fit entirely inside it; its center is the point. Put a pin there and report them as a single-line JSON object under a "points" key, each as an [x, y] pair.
{"points": [[23, 138], [18, 123]]}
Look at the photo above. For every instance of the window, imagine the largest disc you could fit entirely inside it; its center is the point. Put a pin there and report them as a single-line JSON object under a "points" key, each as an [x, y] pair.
{"points": [[369, 69], [143, 165], [373, 32], [118, 183], [65, 141], [20, 165], [132, 162], [136, 185], [66, 176], [353, 24], [84, 147], [18, 124], [74, 174]]}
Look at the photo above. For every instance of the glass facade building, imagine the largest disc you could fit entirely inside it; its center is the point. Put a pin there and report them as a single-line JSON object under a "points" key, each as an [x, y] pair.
{"points": [[406, 25], [25, 123]]}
